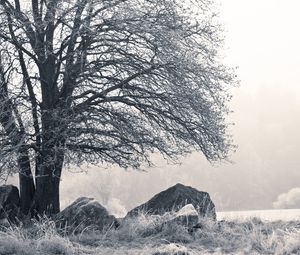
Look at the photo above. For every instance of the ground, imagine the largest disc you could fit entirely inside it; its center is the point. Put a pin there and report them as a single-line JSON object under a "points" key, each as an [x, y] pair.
{"points": [[146, 235]]}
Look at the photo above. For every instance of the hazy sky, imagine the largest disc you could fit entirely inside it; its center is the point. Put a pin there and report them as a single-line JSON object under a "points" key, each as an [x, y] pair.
{"points": [[263, 41]]}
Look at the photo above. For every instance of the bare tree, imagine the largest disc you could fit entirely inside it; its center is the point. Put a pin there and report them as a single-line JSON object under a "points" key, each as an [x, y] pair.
{"points": [[107, 81]]}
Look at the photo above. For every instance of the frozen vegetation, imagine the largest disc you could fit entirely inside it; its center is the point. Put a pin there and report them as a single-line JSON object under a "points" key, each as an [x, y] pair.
{"points": [[151, 236]]}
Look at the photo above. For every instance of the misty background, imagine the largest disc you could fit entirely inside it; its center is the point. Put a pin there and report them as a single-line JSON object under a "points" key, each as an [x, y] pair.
{"points": [[262, 40]]}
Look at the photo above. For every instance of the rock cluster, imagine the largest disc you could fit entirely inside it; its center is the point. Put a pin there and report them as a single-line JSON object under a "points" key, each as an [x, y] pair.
{"points": [[178, 204]]}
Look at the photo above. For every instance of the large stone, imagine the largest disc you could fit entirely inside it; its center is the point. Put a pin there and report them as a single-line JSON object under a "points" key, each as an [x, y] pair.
{"points": [[176, 197], [186, 216], [85, 214], [9, 203]]}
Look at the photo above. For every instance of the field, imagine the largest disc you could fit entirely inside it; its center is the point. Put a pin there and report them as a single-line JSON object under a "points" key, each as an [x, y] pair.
{"points": [[150, 236]]}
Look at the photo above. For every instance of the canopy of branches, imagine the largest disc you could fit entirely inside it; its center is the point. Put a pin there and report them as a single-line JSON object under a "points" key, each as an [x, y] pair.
{"points": [[111, 81]]}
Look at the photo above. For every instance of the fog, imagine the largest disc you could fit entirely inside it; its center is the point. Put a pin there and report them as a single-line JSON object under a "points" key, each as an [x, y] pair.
{"points": [[263, 43]]}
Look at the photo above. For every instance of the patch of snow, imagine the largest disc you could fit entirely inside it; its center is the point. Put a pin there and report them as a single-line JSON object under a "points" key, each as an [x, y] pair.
{"points": [[172, 248]]}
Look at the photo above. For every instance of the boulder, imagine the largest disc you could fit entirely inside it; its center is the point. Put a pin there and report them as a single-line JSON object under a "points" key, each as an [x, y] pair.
{"points": [[186, 216], [9, 203], [85, 214], [176, 197]]}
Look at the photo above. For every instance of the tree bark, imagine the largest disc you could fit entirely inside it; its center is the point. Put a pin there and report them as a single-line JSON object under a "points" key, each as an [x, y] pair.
{"points": [[47, 195], [27, 188], [46, 199]]}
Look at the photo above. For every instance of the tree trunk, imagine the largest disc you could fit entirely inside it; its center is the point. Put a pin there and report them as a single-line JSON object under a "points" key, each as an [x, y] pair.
{"points": [[51, 158], [26, 182], [47, 183], [46, 200], [47, 195]]}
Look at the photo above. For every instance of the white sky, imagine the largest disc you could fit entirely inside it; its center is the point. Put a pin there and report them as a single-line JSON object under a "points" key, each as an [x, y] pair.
{"points": [[263, 41]]}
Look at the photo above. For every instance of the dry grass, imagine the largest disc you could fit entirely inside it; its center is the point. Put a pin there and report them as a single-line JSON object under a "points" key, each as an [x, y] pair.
{"points": [[148, 235]]}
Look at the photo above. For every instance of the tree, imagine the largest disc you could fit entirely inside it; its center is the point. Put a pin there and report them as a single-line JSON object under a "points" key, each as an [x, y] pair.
{"points": [[107, 81]]}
